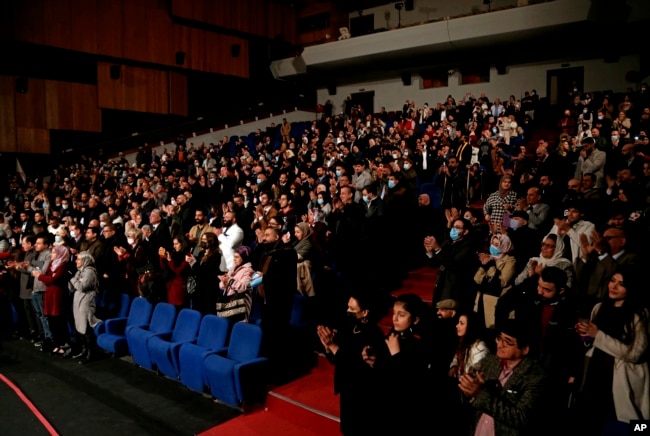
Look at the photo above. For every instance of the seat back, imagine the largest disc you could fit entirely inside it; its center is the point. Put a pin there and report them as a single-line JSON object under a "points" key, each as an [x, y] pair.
{"points": [[245, 342], [162, 320], [187, 325], [213, 332], [124, 306], [140, 312]]}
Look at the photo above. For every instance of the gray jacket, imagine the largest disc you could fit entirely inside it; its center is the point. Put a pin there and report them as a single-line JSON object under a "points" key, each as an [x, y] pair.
{"points": [[40, 262]]}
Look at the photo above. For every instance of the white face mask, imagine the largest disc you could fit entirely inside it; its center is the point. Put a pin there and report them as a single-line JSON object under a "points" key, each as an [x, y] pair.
{"points": [[130, 241]]}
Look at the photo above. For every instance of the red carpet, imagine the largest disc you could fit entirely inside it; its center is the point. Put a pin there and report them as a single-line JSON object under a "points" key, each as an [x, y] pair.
{"points": [[307, 406]]}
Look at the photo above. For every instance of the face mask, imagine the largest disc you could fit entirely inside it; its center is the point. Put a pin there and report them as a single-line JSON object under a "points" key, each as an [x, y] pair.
{"points": [[64, 206], [258, 181], [320, 201], [44, 205], [585, 111], [406, 153], [57, 239], [365, 199], [614, 138], [494, 130], [173, 202], [313, 159], [73, 234], [600, 117], [514, 224], [203, 245], [102, 224], [406, 167], [391, 184], [394, 156], [151, 175], [494, 251], [6, 200], [454, 234], [130, 241], [352, 316], [338, 173]]}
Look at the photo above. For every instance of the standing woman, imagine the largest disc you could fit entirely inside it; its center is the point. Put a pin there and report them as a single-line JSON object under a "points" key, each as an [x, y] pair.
{"points": [[500, 202], [304, 249], [354, 380], [55, 280], [493, 277], [205, 269], [616, 386], [84, 287], [237, 280], [176, 271]]}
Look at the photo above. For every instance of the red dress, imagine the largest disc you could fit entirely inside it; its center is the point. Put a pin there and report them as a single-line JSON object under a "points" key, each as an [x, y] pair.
{"points": [[55, 282], [176, 279]]}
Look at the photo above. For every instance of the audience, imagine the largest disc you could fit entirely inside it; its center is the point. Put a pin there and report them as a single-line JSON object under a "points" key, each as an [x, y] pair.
{"points": [[342, 205]]}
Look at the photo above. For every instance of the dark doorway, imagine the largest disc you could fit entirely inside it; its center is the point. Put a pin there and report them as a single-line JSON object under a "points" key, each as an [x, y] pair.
{"points": [[560, 82], [362, 25], [366, 100]]}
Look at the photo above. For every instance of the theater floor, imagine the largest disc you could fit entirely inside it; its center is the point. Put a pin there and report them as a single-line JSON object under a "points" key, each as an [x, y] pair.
{"points": [[107, 397]]}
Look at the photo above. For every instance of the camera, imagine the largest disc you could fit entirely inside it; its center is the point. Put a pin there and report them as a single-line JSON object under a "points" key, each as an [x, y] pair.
{"points": [[399, 6]]}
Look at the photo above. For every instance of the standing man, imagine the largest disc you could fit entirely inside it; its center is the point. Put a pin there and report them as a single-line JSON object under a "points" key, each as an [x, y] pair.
{"points": [[230, 239], [40, 263]]}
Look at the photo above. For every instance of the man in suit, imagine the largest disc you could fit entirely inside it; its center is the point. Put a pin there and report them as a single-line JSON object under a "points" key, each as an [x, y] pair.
{"points": [[454, 258], [160, 237], [507, 392], [425, 162], [539, 214], [591, 160]]}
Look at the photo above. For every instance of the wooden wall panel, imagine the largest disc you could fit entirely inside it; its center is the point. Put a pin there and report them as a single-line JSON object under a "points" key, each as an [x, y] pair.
{"points": [[7, 115], [135, 43], [178, 103], [33, 140], [110, 28], [58, 105], [84, 32], [30, 107], [58, 14], [182, 8], [159, 34], [86, 114], [29, 17], [138, 89]]}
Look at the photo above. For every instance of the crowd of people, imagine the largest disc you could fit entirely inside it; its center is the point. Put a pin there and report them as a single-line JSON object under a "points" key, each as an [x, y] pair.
{"points": [[538, 248]]}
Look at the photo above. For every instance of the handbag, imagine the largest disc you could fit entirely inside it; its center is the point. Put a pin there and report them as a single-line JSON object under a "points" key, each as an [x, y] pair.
{"points": [[233, 306], [191, 284]]}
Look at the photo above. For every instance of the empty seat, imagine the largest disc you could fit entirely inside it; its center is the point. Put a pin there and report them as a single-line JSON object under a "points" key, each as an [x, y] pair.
{"points": [[100, 328], [162, 321], [113, 338], [237, 375], [213, 334], [164, 347]]}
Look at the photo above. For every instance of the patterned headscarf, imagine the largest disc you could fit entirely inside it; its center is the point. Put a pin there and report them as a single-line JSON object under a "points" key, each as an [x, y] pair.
{"points": [[504, 244], [62, 256]]}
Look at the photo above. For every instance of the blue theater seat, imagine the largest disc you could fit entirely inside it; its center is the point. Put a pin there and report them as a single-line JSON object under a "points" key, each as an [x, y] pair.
{"points": [[237, 375], [162, 321], [125, 301], [213, 334], [113, 338], [163, 348]]}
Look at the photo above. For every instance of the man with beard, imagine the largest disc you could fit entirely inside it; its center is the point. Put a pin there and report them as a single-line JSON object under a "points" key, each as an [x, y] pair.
{"points": [[230, 238], [199, 229], [279, 267]]}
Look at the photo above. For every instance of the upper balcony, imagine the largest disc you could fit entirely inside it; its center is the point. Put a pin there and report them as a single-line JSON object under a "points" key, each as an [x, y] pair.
{"points": [[551, 30]]}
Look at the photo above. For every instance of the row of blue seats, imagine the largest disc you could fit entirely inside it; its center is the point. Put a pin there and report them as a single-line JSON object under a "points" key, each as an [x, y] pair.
{"points": [[204, 353], [297, 129]]}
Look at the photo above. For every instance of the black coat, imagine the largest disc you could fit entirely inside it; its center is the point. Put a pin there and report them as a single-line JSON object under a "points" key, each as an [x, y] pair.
{"points": [[454, 260]]}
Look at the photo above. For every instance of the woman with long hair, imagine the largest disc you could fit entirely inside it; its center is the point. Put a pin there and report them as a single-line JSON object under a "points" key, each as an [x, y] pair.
{"points": [[55, 280], [616, 385], [205, 269], [304, 248], [176, 271], [84, 286], [499, 202]]}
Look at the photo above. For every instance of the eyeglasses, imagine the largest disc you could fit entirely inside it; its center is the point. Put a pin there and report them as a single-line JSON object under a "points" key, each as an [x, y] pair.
{"points": [[505, 341]]}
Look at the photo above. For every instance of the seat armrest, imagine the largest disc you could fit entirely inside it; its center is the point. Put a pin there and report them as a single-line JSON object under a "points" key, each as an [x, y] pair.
{"points": [[115, 326]]}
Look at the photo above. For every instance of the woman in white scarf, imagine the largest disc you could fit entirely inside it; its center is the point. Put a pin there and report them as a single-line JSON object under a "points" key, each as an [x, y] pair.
{"points": [[84, 285], [550, 255]]}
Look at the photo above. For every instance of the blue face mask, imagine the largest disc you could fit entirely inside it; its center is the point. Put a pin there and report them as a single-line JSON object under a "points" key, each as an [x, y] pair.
{"points": [[365, 198], [338, 173], [258, 181], [391, 184], [514, 224], [320, 201], [494, 251], [454, 234]]}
